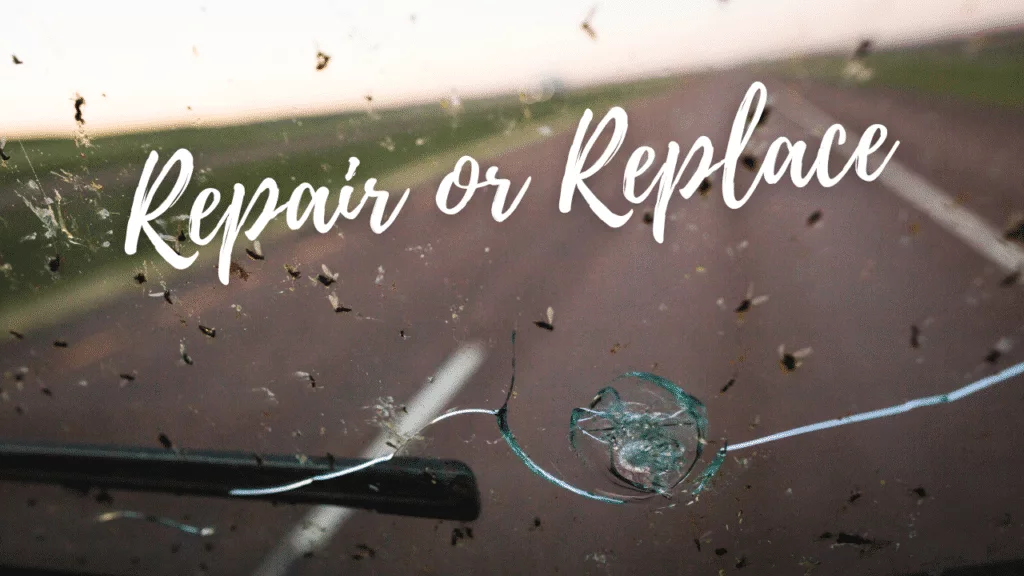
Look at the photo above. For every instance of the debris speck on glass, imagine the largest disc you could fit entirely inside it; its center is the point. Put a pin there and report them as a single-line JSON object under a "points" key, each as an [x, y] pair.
{"points": [[79, 103], [336, 303], [750, 301], [256, 252], [322, 60], [587, 25], [1011, 279], [548, 323], [1016, 232], [790, 361], [1001, 347], [326, 277], [165, 441], [184, 354], [236, 269], [307, 377]]}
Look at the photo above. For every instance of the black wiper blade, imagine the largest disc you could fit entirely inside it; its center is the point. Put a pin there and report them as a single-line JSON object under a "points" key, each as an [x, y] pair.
{"points": [[406, 486]]}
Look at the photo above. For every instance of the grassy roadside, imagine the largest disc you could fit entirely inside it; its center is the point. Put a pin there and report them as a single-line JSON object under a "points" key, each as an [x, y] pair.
{"points": [[401, 147], [987, 71]]}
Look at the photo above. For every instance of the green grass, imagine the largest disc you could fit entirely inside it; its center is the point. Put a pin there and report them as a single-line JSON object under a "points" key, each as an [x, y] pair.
{"points": [[990, 74], [103, 177]]}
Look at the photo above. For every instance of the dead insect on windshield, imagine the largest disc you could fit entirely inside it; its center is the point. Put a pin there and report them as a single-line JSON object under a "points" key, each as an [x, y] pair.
{"points": [[60, 344], [648, 217], [54, 264], [79, 102], [728, 385], [336, 304], [326, 277], [16, 334], [791, 361], [165, 441], [587, 27], [1011, 280], [1016, 232], [750, 301], [915, 336], [127, 377], [256, 252], [705, 186], [863, 49], [322, 60], [749, 161], [16, 60], [363, 551], [1002, 347], [307, 376], [140, 278], [165, 294], [368, 98], [764, 115], [549, 322], [814, 218], [293, 272], [3, 155], [184, 354], [181, 235], [211, 332]]}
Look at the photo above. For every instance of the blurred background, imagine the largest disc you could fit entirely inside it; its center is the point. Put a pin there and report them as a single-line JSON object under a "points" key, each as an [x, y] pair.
{"points": [[804, 305]]}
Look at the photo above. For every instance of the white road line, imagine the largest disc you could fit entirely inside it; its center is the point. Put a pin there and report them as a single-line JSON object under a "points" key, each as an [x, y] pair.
{"points": [[912, 187], [321, 523]]}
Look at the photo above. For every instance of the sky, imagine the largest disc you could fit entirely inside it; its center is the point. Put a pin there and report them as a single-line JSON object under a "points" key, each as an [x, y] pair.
{"points": [[143, 64]]}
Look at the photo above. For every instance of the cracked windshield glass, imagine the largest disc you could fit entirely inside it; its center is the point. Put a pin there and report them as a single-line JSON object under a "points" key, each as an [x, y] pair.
{"points": [[457, 287]]}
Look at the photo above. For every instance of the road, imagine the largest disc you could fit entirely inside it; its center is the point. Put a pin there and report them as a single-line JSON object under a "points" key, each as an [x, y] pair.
{"points": [[932, 489]]}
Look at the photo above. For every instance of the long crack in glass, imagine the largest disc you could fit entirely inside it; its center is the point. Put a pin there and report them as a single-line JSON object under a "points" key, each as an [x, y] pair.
{"points": [[650, 447]]}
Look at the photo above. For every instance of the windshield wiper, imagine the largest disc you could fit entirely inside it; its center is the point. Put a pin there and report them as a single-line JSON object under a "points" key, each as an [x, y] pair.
{"points": [[407, 486]]}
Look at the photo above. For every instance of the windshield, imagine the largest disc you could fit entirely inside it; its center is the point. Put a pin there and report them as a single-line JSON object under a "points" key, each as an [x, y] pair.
{"points": [[257, 318]]}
